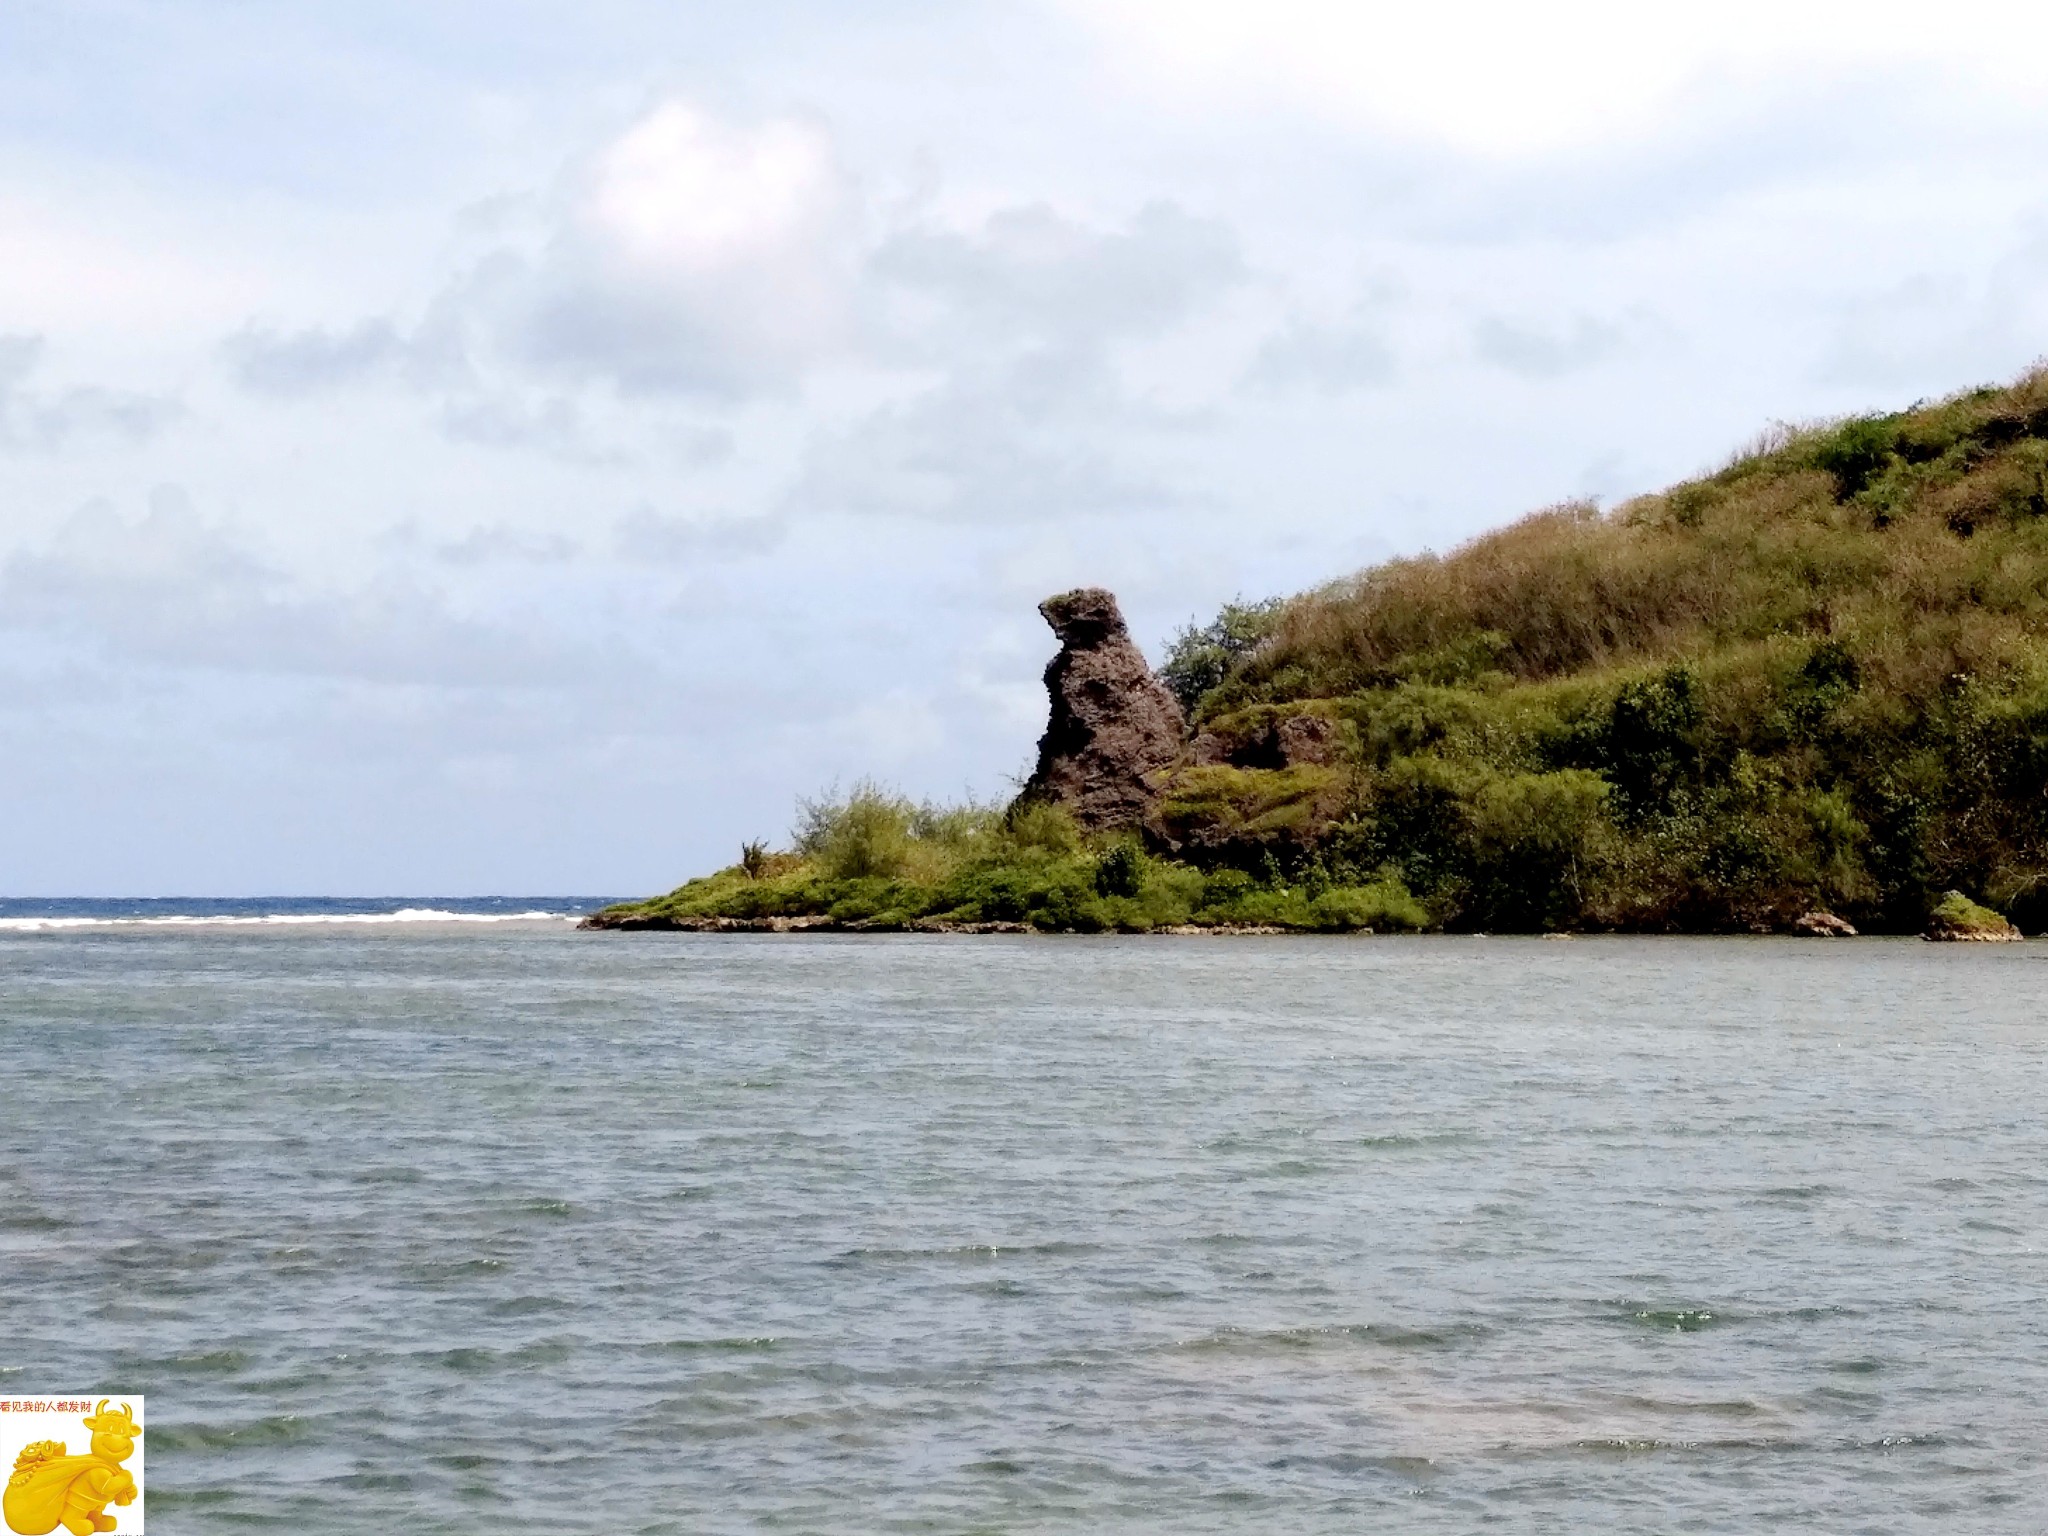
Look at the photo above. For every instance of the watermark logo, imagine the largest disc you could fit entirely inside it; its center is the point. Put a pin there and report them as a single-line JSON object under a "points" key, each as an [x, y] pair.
{"points": [[67, 1460]]}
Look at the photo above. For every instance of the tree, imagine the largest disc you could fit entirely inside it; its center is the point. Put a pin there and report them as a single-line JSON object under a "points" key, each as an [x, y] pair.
{"points": [[1202, 656]]}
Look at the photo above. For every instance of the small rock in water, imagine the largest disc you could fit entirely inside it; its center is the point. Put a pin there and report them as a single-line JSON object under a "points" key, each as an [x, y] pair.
{"points": [[1958, 920], [1824, 925]]}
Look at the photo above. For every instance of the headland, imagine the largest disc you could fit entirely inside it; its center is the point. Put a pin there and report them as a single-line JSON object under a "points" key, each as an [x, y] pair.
{"points": [[1806, 693]]}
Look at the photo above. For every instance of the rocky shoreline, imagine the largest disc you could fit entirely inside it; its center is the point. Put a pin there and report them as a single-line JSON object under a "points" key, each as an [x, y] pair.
{"points": [[634, 922], [638, 922]]}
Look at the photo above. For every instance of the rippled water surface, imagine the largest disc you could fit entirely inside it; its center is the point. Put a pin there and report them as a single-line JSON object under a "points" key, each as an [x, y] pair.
{"points": [[518, 1230]]}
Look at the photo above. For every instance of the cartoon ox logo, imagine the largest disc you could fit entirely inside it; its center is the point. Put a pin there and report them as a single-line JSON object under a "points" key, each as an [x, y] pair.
{"points": [[50, 1488]]}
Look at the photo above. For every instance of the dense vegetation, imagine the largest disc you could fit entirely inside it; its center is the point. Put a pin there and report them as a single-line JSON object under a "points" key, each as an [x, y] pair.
{"points": [[874, 859], [1816, 679]]}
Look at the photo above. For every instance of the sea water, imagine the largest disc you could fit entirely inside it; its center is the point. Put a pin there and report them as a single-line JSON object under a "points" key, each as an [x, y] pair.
{"points": [[504, 1227]]}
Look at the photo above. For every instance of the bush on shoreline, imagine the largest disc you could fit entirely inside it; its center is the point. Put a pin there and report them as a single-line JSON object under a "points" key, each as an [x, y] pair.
{"points": [[880, 860]]}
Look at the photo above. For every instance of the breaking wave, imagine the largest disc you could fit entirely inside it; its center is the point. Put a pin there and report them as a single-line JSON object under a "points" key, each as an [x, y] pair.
{"points": [[26, 915], [280, 920]]}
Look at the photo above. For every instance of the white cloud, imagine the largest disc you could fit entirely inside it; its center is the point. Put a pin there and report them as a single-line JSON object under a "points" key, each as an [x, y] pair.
{"points": [[1334, 359], [307, 362], [1504, 78], [698, 257], [48, 419], [1030, 277], [984, 369], [1546, 352], [1938, 322], [688, 256], [681, 193], [647, 535], [1028, 326], [170, 589]]}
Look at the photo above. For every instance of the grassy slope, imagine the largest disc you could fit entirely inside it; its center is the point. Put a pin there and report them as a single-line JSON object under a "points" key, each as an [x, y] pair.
{"points": [[1818, 678]]}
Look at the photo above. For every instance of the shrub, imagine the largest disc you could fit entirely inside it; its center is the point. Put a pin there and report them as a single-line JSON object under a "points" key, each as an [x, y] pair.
{"points": [[864, 834], [1384, 904], [1042, 827], [987, 894], [1201, 657], [1120, 871], [1068, 904], [1857, 450], [1415, 821], [1222, 888], [1531, 841], [1828, 676], [1650, 755]]}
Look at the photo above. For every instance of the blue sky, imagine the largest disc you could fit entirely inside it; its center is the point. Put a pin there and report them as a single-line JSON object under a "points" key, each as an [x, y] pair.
{"points": [[523, 447]]}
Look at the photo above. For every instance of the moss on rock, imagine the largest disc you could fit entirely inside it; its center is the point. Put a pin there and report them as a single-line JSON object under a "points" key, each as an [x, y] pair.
{"points": [[1957, 919]]}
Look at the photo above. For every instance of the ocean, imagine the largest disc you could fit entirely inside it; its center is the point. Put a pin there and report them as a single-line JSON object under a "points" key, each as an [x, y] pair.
{"points": [[429, 1225]]}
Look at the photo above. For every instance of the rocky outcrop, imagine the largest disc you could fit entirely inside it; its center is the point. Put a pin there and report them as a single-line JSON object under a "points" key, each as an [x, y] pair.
{"points": [[1824, 925], [1958, 920], [1113, 722], [1306, 740], [1289, 741]]}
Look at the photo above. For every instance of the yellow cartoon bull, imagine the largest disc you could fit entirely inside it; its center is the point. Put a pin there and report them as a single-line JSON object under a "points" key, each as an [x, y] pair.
{"points": [[49, 1488]]}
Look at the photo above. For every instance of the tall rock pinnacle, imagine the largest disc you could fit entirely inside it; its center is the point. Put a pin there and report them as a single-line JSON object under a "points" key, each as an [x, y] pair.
{"points": [[1112, 723]]}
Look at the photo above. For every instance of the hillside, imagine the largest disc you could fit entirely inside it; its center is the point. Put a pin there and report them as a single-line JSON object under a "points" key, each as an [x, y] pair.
{"points": [[1816, 679]]}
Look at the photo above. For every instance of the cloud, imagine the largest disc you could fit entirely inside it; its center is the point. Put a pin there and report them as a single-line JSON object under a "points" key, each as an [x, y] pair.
{"points": [[698, 257], [687, 257], [1929, 329], [1514, 82], [679, 192], [644, 535], [692, 269], [1539, 353], [498, 411], [18, 358], [895, 728], [293, 366], [545, 422], [46, 421], [170, 589], [1032, 278], [1029, 323], [970, 451], [496, 544], [690, 257], [1332, 359]]}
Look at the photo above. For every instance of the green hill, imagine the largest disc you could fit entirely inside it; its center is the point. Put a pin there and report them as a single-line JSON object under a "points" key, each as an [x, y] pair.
{"points": [[1816, 679]]}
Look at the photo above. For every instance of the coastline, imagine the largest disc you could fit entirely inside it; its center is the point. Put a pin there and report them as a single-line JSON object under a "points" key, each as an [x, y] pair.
{"points": [[599, 922]]}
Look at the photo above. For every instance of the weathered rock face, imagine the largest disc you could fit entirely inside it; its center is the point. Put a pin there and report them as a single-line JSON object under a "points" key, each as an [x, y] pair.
{"points": [[1294, 741], [1113, 722]]}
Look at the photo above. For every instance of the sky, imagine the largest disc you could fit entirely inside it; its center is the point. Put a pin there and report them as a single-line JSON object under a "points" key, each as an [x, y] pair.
{"points": [[516, 447]]}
